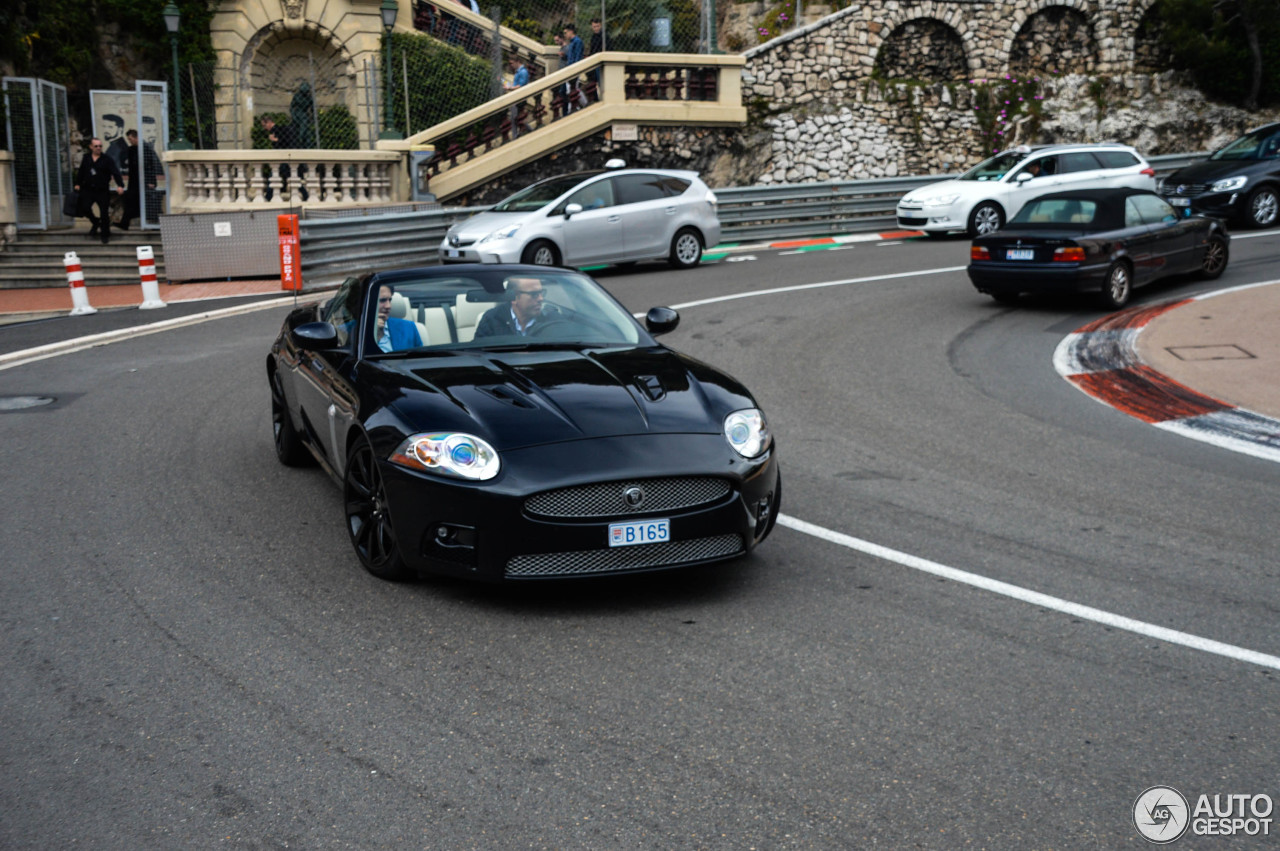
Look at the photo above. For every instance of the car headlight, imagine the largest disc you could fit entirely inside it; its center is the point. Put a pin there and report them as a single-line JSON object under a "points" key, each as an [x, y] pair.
{"points": [[503, 233], [449, 453], [1229, 184], [938, 200], [747, 432]]}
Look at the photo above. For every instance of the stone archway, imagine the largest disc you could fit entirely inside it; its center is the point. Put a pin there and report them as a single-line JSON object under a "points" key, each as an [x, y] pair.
{"points": [[287, 69], [1055, 39], [923, 49], [1150, 55]]}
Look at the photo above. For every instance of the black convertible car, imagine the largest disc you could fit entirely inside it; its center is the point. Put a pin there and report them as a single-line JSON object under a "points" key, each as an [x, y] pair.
{"points": [[515, 422], [1106, 241]]}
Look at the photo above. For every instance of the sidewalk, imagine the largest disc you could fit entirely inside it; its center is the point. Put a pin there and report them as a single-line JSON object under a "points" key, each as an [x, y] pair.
{"points": [[20, 305], [1224, 345]]}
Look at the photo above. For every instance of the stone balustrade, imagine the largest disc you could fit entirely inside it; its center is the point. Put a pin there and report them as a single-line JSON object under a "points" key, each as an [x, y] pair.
{"points": [[201, 181], [606, 89]]}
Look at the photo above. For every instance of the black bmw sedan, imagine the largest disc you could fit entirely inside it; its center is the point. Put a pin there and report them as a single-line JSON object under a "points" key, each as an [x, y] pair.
{"points": [[516, 423], [1106, 241], [1240, 181]]}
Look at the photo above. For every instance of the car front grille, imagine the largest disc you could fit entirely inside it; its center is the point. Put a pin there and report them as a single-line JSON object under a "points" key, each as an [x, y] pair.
{"points": [[622, 559], [609, 499], [1189, 190], [908, 220]]}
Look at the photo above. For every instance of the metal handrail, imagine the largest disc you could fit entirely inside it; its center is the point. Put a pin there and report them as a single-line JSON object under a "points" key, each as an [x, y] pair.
{"points": [[334, 247]]}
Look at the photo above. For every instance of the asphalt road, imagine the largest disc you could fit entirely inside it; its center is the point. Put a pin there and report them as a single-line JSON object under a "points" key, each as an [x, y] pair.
{"points": [[193, 657]]}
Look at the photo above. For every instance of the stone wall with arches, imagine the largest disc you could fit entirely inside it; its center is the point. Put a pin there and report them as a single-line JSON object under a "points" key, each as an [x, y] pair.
{"points": [[895, 87]]}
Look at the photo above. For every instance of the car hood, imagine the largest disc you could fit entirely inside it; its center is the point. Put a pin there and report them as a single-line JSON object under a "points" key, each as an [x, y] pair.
{"points": [[1207, 171], [530, 398], [963, 188], [482, 225]]}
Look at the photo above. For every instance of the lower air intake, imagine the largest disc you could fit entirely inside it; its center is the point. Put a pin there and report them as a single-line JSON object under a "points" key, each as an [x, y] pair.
{"points": [[621, 559]]}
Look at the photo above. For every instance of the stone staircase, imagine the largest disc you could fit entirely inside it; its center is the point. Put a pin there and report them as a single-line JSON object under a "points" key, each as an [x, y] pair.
{"points": [[36, 259]]}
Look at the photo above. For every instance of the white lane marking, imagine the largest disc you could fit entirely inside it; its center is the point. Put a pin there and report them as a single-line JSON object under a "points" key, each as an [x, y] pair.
{"points": [[895, 242], [78, 344], [1035, 598], [797, 287]]}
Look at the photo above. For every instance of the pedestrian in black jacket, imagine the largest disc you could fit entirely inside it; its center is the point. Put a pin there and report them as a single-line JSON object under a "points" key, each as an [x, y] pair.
{"points": [[142, 172], [93, 182]]}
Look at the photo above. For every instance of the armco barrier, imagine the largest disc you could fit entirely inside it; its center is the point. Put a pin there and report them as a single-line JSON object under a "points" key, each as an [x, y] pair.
{"points": [[333, 248]]}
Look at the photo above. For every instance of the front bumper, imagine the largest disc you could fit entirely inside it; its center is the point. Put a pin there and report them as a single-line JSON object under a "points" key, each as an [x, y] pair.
{"points": [[1221, 205], [489, 531], [1011, 279], [502, 251], [938, 218]]}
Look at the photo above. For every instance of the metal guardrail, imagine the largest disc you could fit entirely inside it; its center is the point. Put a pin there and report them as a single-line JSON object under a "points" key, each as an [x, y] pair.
{"points": [[842, 206], [333, 248]]}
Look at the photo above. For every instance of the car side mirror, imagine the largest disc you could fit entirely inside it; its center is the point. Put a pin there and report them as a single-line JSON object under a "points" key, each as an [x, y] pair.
{"points": [[661, 320], [1024, 176], [572, 210], [314, 336]]}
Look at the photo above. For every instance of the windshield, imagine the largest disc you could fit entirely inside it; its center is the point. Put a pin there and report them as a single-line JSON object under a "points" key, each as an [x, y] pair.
{"points": [[1261, 144], [540, 194], [994, 168], [482, 309]]}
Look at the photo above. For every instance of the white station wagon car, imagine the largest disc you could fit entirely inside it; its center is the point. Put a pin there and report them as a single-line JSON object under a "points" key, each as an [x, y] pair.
{"points": [[986, 196], [614, 215]]}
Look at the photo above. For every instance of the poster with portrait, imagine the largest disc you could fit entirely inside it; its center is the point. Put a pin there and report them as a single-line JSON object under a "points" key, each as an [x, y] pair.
{"points": [[115, 113]]}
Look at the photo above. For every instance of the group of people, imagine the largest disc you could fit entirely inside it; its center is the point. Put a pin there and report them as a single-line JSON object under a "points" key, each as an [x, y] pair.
{"points": [[572, 51], [99, 168]]}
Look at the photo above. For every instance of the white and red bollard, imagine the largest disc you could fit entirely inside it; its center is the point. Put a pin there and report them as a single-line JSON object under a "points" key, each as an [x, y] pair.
{"points": [[147, 271], [75, 280]]}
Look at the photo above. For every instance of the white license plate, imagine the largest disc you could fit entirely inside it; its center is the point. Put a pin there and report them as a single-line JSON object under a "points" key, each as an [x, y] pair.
{"points": [[1180, 202], [453, 252], [639, 532], [1020, 254]]}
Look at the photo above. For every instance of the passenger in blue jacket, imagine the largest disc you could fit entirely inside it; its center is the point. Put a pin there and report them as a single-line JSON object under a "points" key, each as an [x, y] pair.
{"points": [[393, 334]]}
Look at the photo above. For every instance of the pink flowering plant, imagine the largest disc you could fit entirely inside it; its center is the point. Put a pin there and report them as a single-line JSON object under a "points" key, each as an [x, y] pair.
{"points": [[998, 105]]}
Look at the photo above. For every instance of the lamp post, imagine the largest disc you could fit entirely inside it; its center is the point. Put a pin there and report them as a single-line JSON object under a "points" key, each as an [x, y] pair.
{"points": [[172, 20], [389, 9]]}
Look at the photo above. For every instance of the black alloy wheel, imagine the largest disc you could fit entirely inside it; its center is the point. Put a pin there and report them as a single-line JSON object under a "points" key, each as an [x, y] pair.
{"points": [[289, 447], [1263, 207], [1214, 262], [369, 518], [986, 218], [1118, 286], [540, 252]]}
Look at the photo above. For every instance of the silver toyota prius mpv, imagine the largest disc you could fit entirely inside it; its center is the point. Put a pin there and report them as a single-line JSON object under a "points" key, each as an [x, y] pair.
{"points": [[612, 215]]}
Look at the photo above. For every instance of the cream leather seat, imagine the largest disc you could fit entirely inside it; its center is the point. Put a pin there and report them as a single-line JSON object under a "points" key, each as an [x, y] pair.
{"points": [[466, 315]]}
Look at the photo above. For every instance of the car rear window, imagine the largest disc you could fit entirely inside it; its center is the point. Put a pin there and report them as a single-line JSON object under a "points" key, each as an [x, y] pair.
{"points": [[634, 188], [1055, 212], [675, 185], [1116, 159], [1078, 161]]}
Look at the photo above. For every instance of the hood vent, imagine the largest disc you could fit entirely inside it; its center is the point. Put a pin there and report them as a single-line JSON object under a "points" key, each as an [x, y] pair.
{"points": [[503, 393], [651, 386]]}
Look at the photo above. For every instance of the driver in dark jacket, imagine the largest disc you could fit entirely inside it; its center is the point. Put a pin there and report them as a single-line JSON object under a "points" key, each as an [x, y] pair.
{"points": [[516, 317]]}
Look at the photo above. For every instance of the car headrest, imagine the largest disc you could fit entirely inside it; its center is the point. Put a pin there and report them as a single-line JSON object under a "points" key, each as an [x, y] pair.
{"points": [[399, 306]]}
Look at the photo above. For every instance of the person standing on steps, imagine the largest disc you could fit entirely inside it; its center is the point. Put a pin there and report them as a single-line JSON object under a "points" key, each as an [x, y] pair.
{"points": [[93, 182]]}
